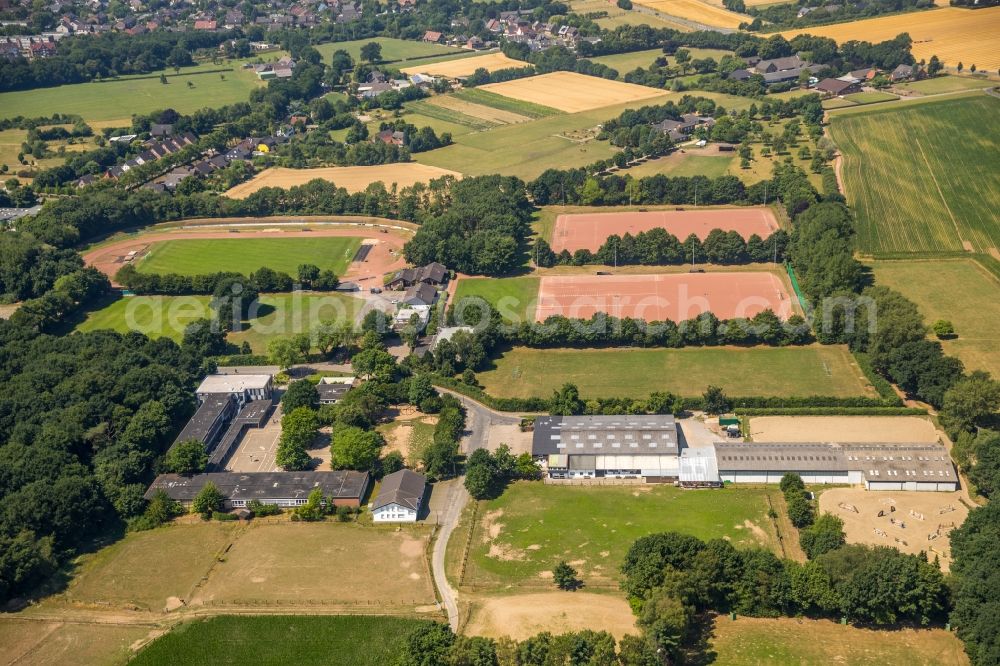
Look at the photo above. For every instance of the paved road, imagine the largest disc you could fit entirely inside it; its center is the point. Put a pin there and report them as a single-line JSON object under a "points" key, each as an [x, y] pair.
{"points": [[456, 500], [479, 419]]}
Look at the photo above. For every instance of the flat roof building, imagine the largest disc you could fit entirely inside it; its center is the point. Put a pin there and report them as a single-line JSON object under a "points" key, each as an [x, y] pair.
{"points": [[209, 421], [242, 387], [286, 489]]}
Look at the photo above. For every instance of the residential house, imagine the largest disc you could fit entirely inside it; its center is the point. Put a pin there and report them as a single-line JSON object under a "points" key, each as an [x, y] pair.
{"points": [[680, 130], [400, 497], [390, 137], [432, 36], [161, 130], [332, 389], [419, 294], [902, 73], [205, 25], [434, 274], [836, 87]]}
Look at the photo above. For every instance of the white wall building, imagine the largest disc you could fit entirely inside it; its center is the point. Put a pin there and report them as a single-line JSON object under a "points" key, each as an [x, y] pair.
{"points": [[244, 388], [400, 498]]}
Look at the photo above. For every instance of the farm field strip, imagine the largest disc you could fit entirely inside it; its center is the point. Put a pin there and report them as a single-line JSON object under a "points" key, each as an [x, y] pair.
{"points": [[245, 255], [459, 67], [952, 34], [504, 103], [488, 114], [947, 196], [700, 12], [353, 179], [571, 92], [828, 370]]}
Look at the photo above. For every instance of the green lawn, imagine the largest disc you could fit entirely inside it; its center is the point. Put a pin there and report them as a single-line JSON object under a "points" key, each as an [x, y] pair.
{"points": [[515, 298], [487, 98], [837, 103], [961, 291], [537, 525], [392, 49], [944, 84], [687, 164], [870, 97], [245, 255], [279, 640], [626, 62], [119, 99], [923, 177], [560, 141], [280, 315], [756, 371]]}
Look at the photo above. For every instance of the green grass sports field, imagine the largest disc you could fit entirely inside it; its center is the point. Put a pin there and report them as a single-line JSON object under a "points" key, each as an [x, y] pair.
{"points": [[923, 177], [536, 525], [355, 640], [119, 99], [514, 297], [772, 371], [280, 315], [959, 290], [245, 255]]}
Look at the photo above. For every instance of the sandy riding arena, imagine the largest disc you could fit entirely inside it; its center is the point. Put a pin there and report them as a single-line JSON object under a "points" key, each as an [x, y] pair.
{"points": [[675, 296], [889, 429], [588, 231], [921, 521], [353, 179], [386, 253], [523, 615], [491, 62], [571, 92]]}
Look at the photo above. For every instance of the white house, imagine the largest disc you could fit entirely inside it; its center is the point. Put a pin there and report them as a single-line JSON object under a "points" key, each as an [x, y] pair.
{"points": [[400, 498]]}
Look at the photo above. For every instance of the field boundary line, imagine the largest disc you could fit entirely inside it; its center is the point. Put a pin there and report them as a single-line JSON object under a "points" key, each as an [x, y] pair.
{"points": [[468, 544]]}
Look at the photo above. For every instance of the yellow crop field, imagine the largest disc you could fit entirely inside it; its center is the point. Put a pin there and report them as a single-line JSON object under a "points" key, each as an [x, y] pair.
{"points": [[465, 66], [952, 34], [571, 92], [701, 12], [353, 179]]}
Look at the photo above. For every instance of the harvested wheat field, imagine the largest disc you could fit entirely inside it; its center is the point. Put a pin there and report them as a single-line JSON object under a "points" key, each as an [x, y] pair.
{"points": [[571, 92], [452, 69], [353, 179], [889, 429], [700, 12], [954, 35], [921, 521], [481, 111], [523, 615]]}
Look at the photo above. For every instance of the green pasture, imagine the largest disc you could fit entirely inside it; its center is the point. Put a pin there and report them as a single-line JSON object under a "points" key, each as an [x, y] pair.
{"points": [[497, 101], [944, 84], [870, 97], [687, 164], [279, 315], [959, 290], [392, 49], [119, 99], [515, 298], [421, 113], [358, 640], [626, 62], [923, 177], [245, 255], [752, 371], [537, 525]]}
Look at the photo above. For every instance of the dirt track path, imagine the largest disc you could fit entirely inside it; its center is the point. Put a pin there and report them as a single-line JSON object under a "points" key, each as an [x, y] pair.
{"points": [[384, 257]]}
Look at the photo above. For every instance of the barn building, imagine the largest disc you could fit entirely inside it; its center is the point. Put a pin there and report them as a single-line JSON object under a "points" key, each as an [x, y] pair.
{"points": [[285, 489], [618, 447]]}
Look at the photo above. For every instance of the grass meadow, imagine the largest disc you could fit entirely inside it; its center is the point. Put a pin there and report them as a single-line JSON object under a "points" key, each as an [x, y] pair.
{"points": [[245, 255], [772, 371], [119, 99], [278, 640], [958, 290], [279, 315], [515, 297], [504, 103], [54, 643], [521, 535], [944, 84], [626, 62], [794, 641], [923, 177], [393, 50], [870, 97]]}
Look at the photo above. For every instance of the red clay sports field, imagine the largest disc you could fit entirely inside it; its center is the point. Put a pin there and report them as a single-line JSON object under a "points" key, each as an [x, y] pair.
{"points": [[588, 231], [674, 296]]}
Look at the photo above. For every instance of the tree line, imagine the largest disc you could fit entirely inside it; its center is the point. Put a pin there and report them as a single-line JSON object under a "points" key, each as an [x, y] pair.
{"points": [[263, 279]]}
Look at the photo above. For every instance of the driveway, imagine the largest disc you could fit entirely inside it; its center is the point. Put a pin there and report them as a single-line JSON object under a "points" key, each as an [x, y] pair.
{"points": [[479, 420]]}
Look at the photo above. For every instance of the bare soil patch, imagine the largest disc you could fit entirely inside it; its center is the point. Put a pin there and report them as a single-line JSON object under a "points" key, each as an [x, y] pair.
{"points": [[911, 528], [523, 615], [889, 429]]}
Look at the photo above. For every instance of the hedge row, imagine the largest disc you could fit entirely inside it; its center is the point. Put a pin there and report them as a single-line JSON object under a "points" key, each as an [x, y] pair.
{"points": [[831, 411], [242, 359], [881, 384]]}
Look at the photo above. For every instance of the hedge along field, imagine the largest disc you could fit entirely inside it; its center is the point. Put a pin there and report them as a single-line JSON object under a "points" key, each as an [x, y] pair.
{"points": [[523, 534], [392, 49], [245, 255], [828, 370], [626, 62], [277, 640], [280, 315], [962, 292], [119, 99], [924, 178]]}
